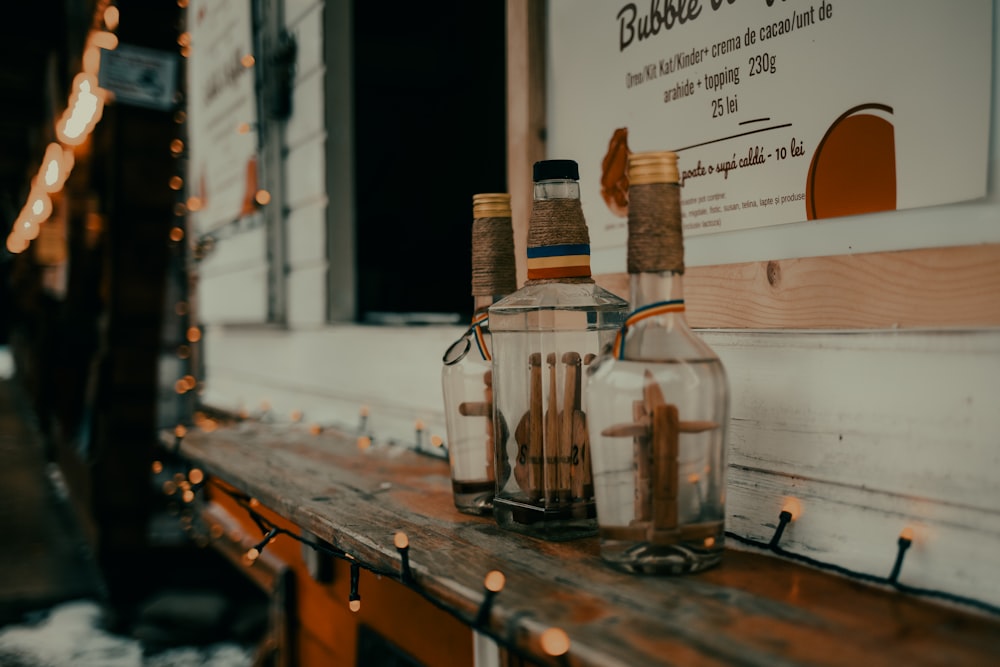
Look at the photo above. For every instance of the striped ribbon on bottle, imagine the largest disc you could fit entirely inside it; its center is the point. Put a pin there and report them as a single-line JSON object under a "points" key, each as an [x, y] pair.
{"points": [[639, 314], [569, 260]]}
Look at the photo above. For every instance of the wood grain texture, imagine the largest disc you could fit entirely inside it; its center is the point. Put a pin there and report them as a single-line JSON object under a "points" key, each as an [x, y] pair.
{"points": [[937, 287], [752, 610], [526, 28]]}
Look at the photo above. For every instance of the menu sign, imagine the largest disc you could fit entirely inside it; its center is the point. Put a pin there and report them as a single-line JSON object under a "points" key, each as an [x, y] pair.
{"points": [[779, 110]]}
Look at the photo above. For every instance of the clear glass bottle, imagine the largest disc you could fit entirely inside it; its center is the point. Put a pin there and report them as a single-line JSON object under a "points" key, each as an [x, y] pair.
{"points": [[544, 336], [467, 374], [658, 402]]}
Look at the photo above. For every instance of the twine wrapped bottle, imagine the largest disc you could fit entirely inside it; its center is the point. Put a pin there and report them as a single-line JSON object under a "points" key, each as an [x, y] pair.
{"points": [[658, 402], [544, 336], [467, 374]]}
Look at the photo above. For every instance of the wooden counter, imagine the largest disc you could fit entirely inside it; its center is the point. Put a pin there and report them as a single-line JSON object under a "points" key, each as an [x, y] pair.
{"points": [[755, 609]]}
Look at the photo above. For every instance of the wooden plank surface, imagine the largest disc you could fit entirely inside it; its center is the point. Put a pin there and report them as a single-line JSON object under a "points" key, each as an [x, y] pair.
{"points": [[935, 287], [753, 610]]}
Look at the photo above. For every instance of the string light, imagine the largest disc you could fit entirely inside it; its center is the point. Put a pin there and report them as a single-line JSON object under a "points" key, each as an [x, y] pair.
{"points": [[84, 111], [784, 518], [354, 599], [255, 551], [492, 584], [111, 17], [418, 428], [554, 642], [904, 542], [402, 543]]}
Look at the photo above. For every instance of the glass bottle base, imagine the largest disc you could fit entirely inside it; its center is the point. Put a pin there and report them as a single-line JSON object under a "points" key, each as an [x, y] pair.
{"points": [[474, 497], [680, 551], [568, 521]]}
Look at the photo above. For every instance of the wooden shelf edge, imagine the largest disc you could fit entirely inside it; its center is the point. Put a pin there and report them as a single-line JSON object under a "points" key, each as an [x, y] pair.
{"points": [[754, 609], [907, 289]]}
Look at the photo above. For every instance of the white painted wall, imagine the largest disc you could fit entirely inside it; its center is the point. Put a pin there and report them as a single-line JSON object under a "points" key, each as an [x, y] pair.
{"points": [[872, 431]]}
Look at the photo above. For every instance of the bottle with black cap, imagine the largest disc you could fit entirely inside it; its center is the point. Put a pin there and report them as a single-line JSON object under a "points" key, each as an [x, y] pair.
{"points": [[544, 336]]}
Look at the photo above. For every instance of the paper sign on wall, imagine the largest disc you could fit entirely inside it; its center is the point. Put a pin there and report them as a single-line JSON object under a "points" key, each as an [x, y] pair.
{"points": [[779, 110]]}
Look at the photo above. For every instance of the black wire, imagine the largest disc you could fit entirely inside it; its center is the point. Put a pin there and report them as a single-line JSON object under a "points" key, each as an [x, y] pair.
{"points": [[478, 623], [864, 576]]}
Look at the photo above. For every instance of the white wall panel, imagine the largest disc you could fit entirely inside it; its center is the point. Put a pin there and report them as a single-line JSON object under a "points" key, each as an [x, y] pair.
{"points": [[305, 180], [239, 296], [307, 296], [306, 235], [306, 122], [239, 252]]}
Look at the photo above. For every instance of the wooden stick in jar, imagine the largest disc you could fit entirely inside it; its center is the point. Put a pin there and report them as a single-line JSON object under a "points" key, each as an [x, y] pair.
{"points": [[571, 404], [490, 437], [642, 451], [665, 467], [552, 437], [535, 427]]}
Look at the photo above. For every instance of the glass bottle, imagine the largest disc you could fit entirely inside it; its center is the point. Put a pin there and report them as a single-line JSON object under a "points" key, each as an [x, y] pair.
{"points": [[467, 374], [658, 402], [544, 336]]}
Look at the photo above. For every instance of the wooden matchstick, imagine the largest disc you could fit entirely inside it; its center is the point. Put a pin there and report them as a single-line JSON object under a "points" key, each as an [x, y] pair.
{"points": [[643, 426], [552, 437], [642, 452], [581, 476], [665, 473], [490, 437], [475, 409], [571, 404], [536, 435]]}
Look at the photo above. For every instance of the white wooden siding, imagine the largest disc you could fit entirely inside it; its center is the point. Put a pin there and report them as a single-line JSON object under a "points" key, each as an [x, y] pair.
{"points": [[872, 431]]}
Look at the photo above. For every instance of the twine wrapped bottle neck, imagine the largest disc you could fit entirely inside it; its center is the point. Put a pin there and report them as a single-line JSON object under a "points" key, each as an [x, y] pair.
{"points": [[558, 242], [655, 236], [493, 267]]}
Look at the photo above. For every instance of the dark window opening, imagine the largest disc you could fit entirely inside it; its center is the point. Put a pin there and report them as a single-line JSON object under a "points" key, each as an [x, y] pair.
{"points": [[430, 131]]}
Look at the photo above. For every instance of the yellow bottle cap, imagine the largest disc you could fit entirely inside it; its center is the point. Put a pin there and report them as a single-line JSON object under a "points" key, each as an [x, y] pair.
{"points": [[491, 205], [653, 167]]}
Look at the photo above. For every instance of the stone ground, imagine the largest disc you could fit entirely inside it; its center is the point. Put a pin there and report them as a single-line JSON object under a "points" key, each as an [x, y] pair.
{"points": [[53, 610]]}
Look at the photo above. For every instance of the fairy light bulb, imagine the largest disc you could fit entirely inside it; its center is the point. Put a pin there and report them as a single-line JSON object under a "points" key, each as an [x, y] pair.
{"points": [[354, 605], [906, 534], [196, 476], [555, 642], [494, 581], [111, 17], [401, 540], [793, 506], [157, 467]]}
